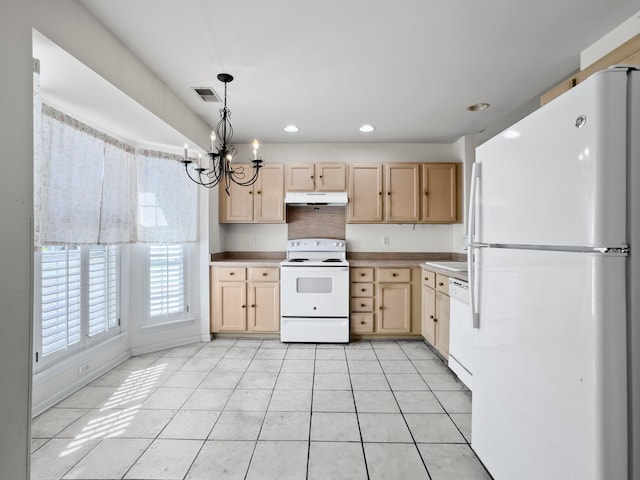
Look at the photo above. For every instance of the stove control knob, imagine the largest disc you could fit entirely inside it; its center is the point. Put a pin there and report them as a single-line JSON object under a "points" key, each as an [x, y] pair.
{"points": [[316, 243]]}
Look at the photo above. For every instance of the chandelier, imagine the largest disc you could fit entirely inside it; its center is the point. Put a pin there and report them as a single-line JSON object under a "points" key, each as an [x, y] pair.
{"points": [[216, 167]]}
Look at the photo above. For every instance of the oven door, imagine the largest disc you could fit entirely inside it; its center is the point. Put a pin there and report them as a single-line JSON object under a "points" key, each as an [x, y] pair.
{"points": [[314, 291]]}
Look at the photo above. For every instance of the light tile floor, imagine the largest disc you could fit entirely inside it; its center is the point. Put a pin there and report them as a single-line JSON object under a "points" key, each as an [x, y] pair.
{"points": [[259, 410]]}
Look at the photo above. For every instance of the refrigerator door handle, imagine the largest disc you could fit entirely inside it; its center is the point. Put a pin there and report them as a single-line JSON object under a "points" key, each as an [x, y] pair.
{"points": [[471, 230]]}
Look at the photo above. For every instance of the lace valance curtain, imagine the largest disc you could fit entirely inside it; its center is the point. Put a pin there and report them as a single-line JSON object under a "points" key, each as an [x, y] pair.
{"points": [[93, 189]]}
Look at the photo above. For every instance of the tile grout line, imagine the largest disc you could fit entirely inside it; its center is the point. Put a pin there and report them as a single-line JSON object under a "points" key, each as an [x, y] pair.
{"points": [[355, 408]]}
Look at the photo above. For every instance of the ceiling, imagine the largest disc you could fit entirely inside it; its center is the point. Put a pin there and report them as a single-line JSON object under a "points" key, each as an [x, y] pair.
{"points": [[410, 68]]}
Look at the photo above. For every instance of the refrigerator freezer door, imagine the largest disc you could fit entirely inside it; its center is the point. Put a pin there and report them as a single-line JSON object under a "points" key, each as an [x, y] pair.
{"points": [[557, 177], [549, 398]]}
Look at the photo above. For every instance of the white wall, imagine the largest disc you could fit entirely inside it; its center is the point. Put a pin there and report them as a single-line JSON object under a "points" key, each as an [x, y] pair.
{"points": [[364, 238], [16, 239]]}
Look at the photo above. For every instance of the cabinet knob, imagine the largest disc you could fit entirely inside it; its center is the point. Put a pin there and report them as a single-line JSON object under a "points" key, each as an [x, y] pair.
{"points": [[379, 193], [394, 274], [259, 192], [362, 322], [441, 284], [426, 278], [426, 193], [388, 193], [253, 306], [231, 274], [250, 192], [244, 306], [363, 304], [364, 290], [435, 319], [319, 176], [380, 307], [264, 274], [431, 317], [362, 274], [311, 176]]}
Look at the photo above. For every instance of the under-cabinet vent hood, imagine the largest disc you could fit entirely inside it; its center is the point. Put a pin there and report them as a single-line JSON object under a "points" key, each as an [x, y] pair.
{"points": [[316, 198]]}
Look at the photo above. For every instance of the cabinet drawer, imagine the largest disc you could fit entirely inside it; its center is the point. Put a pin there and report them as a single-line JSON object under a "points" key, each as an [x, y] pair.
{"points": [[442, 284], [428, 278], [362, 289], [232, 274], [264, 274], [362, 304], [362, 274], [362, 322], [386, 275]]}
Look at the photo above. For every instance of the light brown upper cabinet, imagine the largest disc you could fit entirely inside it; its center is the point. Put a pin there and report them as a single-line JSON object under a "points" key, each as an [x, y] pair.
{"points": [[365, 193], [315, 177], [262, 202], [439, 192], [401, 199], [395, 193]]}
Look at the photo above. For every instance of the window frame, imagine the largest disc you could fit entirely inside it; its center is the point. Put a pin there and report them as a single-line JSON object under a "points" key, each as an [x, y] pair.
{"points": [[169, 317]]}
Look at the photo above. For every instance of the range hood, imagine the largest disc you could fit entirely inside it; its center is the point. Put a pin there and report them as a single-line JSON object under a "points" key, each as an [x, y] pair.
{"points": [[316, 198]]}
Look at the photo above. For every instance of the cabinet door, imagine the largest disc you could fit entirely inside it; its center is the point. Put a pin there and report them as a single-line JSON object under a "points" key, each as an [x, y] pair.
{"points": [[331, 177], [268, 192], [429, 315], [401, 202], [442, 327], [365, 193], [299, 177], [264, 307], [237, 207], [394, 307], [231, 307], [439, 192]]}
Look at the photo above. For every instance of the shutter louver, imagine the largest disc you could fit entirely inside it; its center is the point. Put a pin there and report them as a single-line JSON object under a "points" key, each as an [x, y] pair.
{"points": [[61, 298], [166, 280]]}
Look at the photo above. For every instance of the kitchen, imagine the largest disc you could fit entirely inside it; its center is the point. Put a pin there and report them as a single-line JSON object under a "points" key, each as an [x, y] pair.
{"points": [[367, 238]]}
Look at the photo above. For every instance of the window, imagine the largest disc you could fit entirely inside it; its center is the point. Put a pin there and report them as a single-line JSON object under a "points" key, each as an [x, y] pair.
{"points": [[76, 299], [166, 280]]}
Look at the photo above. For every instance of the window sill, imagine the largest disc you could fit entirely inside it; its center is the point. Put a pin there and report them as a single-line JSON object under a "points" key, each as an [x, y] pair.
{"points": [[167, 325]]}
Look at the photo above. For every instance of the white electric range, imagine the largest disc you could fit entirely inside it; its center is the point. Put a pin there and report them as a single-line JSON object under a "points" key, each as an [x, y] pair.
{"points": [[314, 291]]}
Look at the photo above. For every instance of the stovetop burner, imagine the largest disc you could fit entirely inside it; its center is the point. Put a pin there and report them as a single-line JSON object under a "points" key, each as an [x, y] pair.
{"points": [[298, 260], [332, 260]]}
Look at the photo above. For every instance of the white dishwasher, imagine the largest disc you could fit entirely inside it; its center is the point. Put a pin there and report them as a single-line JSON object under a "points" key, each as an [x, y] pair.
{"points": [[461, 332]]}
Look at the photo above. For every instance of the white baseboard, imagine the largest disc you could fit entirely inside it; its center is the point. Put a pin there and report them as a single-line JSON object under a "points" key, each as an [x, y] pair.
{"points": [[178, 342], [60, 395]]}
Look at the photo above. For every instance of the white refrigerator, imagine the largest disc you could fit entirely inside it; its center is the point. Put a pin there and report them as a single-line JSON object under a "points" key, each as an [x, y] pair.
{"points": [[553, 227]]}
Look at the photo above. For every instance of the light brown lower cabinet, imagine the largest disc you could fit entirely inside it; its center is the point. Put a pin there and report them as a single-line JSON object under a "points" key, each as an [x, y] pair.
{"points": [[245, 299], [385, 301], [435, 311]]}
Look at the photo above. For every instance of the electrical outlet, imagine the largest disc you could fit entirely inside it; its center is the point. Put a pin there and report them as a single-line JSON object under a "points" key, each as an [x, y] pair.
{"points": [[385, 240], [252, 240]]}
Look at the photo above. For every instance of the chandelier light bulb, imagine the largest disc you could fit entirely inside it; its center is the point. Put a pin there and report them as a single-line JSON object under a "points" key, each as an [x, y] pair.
{"points": [[213, 138], [256, 145]]}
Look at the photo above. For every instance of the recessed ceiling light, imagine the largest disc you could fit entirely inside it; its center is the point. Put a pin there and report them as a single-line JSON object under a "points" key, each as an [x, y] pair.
{"points": [[291, 129], [478, 107], [367, 128]]}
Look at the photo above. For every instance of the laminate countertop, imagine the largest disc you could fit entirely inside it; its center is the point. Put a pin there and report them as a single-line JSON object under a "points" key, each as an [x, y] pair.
{"points": [[382, 260]]}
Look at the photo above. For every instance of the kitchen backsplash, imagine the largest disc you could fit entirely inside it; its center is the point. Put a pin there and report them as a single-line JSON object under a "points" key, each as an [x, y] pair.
{"points": [[362, 238]]}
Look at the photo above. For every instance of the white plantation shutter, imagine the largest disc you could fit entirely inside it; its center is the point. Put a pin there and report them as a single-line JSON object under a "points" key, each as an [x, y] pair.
{"points": [[61, 298], [78, 299], [166, 279], [102, 298]]}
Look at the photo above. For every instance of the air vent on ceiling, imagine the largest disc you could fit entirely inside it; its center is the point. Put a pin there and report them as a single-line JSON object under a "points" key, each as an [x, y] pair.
{"points": [[206, 94]]}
